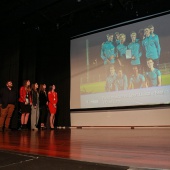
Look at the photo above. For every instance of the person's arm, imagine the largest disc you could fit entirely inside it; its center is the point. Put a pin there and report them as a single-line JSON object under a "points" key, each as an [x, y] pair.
{"points": [[159, 80], [22, 94], [30, 97], [56, 101], [34, 98], [144, 84], [116, 85], [51, 98], [130, 84], [157, 45], [125, 82], [107, 85], [118, 56], [138, 53], [102, 53]]}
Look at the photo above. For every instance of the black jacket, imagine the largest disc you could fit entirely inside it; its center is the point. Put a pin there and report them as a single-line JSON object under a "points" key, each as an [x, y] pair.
{"points": [[34, 98], [7, 97], [43, 99]]}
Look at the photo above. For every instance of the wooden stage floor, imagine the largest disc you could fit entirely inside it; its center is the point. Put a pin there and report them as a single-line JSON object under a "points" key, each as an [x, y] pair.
{"points": [[139, 147]]}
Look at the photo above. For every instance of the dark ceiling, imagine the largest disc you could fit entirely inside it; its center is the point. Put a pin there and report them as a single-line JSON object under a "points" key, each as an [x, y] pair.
{"points": [[75, 16]]}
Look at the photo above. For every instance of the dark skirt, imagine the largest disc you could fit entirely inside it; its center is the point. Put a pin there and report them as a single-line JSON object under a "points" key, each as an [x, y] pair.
{"points": [[25, 108]]}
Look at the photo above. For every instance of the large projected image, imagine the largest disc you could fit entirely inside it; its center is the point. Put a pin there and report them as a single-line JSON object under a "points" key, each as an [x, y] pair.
{"points": [[127, 65]]}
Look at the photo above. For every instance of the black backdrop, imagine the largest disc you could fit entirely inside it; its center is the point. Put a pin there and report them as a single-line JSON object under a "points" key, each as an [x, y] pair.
{"points": [[42, 58]]}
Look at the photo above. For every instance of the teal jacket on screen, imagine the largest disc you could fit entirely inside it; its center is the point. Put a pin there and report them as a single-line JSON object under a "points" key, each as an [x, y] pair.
{"points": [[108, 52], [135, 50], [152, 47]]}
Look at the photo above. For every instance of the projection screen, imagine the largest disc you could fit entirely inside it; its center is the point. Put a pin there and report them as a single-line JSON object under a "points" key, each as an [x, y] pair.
{"points": [[132, 70]]}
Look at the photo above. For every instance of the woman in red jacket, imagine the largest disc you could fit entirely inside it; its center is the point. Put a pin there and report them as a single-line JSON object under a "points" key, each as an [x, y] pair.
{"points": [[25, 103], [52, 104]]}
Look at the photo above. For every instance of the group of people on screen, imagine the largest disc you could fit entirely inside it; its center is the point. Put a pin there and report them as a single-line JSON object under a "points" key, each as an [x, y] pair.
{"points": [[132, 64], [35, 103]]}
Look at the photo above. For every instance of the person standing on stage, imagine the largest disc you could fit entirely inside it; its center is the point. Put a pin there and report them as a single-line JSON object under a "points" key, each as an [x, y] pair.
{"points": [[34, 107], [7, 102], [43, 104], [25, 103], [52, 104]]}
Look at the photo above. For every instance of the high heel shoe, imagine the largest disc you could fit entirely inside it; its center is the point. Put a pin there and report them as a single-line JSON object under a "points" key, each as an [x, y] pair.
{"points": [[51, 128], [43, 128]]}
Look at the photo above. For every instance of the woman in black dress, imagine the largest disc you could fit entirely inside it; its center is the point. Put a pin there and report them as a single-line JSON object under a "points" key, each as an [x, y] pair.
{"points": [[43, 105]]}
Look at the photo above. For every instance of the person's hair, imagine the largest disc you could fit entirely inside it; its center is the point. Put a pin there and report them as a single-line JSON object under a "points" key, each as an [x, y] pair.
{"points": [[25, 85], [25, 82], [146, 28], [108, 35], [122, 35], [41, 88], [33, 87], [133, 32], [135, 67], [116, 33], [8, 81], [120, 68], [150, 26], [50, 88], [149, 59]]}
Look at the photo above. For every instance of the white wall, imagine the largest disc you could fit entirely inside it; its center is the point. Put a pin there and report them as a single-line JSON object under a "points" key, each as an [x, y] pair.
{"points": [[144, 117]]}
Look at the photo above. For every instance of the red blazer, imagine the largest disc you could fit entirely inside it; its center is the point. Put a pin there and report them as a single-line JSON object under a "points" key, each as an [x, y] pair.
{"points": [[22, 94]]}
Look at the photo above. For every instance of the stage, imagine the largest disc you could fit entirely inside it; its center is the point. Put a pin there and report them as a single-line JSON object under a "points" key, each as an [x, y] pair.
{"points": [[86, 148]]}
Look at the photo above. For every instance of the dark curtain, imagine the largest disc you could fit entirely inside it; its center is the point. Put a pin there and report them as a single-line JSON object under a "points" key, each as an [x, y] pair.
{"points": [[53, 67], [42, 59], [9, 66]]}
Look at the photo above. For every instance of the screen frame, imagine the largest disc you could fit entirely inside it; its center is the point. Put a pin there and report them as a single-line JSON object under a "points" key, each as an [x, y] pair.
{"points": [[136, 20]]}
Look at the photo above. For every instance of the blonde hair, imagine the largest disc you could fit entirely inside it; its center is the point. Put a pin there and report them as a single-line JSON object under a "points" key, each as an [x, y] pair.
{"points": [[122, 35], [133, 33]]}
